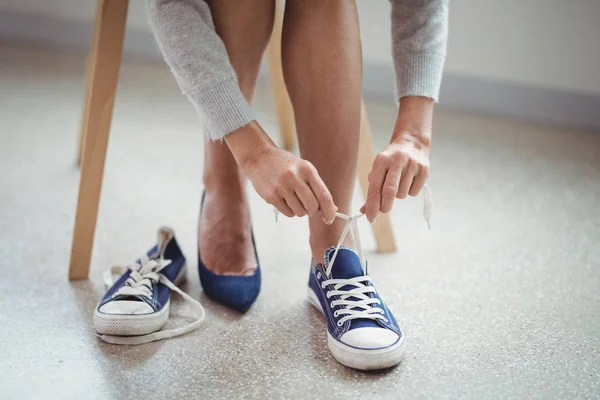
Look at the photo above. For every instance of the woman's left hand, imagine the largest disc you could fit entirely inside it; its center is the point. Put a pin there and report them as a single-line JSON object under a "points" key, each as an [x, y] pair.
{"points": [[402, 168]]}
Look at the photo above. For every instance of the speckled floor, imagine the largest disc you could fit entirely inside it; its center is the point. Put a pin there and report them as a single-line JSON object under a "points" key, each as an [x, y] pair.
{"points": [[500, 300]]}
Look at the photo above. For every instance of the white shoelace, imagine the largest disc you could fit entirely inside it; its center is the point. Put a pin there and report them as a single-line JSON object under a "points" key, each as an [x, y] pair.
{"points": [[361, 305], [352, 224], [139, 283], [356, 301]]}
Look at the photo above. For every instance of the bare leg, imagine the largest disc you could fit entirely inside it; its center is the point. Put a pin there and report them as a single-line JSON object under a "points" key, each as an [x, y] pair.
{"points": [[322, 65], [225, 241]]}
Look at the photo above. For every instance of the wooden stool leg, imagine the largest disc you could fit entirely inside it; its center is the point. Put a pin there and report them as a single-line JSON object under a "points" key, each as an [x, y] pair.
{"points": [[105, 60], [86, 96], [82, 130], [283, 105], [382, 229]]}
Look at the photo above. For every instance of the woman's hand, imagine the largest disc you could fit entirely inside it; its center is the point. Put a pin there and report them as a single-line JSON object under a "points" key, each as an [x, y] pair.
{"points": [[402, 168], [289, 183]]}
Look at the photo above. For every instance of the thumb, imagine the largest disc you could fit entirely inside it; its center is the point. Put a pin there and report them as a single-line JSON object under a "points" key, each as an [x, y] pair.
{"points": [[363, 208]]}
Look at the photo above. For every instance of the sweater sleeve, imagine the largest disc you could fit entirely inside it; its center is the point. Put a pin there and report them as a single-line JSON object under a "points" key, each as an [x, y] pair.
{"points": [[419, 34], [197, 57]]}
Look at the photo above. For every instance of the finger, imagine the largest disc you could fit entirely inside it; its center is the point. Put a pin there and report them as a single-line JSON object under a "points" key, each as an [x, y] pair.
{"points": [[294, 203], [419, 181], [308, 199], [282, 207], [322, 195], [376, 178], [363, 209], [408, 174], [390, 188]]}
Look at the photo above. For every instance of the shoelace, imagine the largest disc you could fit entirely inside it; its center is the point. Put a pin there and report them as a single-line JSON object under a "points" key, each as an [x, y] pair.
{"points": [[356, 301], [139, 283], [352, 224]]}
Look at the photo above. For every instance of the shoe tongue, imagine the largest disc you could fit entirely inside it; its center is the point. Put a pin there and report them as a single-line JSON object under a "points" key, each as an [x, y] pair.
{"points": [[152, 254], [346, 265], [165, 235], [157, 251]]}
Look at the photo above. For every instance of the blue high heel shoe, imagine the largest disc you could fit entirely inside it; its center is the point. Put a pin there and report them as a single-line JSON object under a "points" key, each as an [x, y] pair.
{"points": [[237, 292]]}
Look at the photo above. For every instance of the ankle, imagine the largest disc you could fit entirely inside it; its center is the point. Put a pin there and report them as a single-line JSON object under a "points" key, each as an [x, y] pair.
{"points": [[221, 175], [323, 239], [229, 188]]}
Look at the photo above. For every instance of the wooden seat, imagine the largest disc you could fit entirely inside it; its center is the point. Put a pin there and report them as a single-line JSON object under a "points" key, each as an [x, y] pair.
{"points": [[101, 85]]}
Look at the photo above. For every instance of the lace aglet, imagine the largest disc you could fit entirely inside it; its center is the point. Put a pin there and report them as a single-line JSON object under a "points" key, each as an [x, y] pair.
{"points": [[427, 200]]}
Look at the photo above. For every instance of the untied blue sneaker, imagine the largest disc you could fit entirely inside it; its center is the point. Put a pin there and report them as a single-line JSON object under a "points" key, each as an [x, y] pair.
{"points": [[136, 306]]}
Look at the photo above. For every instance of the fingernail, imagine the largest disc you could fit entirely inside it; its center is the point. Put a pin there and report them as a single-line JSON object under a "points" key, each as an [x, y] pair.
{"points": [[327, 222]]}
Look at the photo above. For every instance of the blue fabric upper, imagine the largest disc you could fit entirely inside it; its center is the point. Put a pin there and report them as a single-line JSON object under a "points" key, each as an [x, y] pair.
{"points": [[160, 292], [346, 266], [234, 291]]}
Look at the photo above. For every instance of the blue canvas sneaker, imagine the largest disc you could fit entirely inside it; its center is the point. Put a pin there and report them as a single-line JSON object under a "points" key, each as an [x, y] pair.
{"points": [[137, 305], [362, 333]]}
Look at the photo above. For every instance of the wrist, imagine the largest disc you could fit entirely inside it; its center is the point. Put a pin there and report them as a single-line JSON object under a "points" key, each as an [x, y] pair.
{"points": [[248, 143], [414, 121]]}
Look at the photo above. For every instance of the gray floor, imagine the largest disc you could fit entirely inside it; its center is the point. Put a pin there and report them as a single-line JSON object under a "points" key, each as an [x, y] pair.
{"points": [[500, 300]]}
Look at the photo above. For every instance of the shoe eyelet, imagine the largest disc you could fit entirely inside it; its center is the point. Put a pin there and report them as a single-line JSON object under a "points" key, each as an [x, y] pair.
{"points": [[336, 314], [318, 275], [322, 286], [331, 305], [339, 323], [386, 320]]}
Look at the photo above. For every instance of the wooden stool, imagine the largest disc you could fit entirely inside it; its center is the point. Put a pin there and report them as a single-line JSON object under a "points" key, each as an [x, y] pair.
{"points": [[101, 85]]}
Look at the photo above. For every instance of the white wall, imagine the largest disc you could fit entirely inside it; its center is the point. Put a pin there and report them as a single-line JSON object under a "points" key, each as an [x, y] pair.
{"points": [[551, 44], [75, 10], [547, 43]]}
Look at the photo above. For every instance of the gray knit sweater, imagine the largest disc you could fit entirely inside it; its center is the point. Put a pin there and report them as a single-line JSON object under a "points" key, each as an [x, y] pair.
{"points": [[186, 36]]}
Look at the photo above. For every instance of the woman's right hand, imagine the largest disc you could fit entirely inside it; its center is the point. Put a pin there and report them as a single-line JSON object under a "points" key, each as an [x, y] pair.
{"points": [[289, 183]]}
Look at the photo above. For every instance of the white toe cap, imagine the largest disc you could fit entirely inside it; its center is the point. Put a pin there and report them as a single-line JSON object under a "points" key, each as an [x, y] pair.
{"points": [[369, 337], [126, 307]]}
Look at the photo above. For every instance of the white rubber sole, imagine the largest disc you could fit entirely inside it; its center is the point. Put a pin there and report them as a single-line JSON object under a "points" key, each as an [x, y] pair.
{"points": [[130, 325], [135, 325], [361, 359]]}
